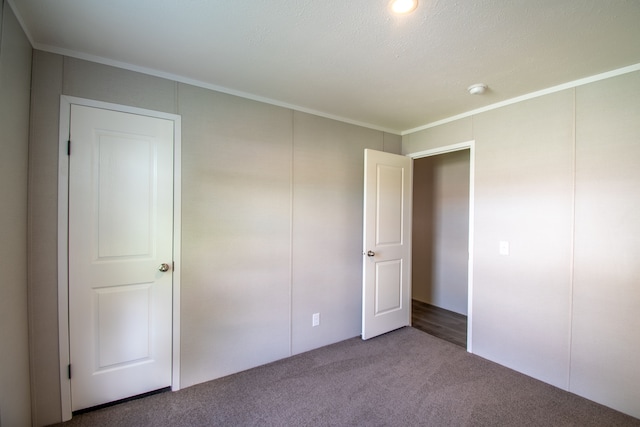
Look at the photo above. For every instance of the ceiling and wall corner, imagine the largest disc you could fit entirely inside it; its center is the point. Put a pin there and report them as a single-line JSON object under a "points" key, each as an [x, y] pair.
{"points": [[351, 61]]}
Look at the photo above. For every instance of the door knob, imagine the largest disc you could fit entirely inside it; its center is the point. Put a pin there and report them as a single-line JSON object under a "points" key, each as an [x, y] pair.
{"points": [[370, 253], [163, 267]]}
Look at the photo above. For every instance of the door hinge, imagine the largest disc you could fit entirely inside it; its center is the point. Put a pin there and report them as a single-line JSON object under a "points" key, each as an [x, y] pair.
{"points": [[69, 147], [69, 371]]}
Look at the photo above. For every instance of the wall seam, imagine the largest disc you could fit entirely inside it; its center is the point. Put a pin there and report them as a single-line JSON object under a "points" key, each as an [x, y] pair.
{"points": [[1, 23], [65, 61], [573, 241], [176, 99], [291, 213], [30, 310]]}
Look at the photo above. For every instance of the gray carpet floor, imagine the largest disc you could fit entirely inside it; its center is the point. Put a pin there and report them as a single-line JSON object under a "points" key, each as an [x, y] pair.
{"points": [[403, 378]]}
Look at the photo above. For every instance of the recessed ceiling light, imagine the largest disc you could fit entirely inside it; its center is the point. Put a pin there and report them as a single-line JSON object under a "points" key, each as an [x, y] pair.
{"points": [[477, 89], [404, 6]]}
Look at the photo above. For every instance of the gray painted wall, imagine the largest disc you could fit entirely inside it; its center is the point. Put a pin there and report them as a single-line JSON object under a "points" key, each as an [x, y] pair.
{"points": [[271, 222], [15, 72], [440, 241], [557, 177], [605, 342]]}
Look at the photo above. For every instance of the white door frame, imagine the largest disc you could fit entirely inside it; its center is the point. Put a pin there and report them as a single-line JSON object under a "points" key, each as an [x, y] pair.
{"points": [[63, 238], [468, 145]]}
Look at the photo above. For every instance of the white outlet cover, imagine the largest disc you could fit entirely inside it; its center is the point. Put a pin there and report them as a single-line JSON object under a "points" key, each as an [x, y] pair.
{"points": [[504, 247]]}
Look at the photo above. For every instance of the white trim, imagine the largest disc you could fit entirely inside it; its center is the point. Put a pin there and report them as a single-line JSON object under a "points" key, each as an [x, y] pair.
{"points": [[63, 256], [177, 247], [441, 150], [468, 145], [547, 91], [63, 233]]}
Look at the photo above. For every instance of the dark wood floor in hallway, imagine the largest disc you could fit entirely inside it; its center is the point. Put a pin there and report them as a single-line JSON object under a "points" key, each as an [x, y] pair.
{"points": [[445, 324]]}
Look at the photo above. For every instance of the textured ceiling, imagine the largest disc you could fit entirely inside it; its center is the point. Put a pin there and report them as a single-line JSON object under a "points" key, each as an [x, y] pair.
{"points": [[349, 59]]}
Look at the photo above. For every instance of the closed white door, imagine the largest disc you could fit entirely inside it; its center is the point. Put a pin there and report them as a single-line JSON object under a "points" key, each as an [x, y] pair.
{"points": [[386, 289], [120, 254]]}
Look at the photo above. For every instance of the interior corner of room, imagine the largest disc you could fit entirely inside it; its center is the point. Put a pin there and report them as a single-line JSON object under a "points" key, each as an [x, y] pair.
{"points": [[271, 227]]}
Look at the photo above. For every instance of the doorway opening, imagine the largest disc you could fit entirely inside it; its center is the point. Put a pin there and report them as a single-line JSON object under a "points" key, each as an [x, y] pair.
{"points": [[442, 213]]}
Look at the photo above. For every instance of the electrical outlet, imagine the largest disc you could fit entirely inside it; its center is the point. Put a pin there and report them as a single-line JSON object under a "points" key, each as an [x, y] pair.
{"points": [[315, 319]]}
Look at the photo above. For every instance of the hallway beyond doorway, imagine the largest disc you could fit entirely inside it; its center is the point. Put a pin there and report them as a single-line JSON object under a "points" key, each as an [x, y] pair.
{"points": [[439, 322]]}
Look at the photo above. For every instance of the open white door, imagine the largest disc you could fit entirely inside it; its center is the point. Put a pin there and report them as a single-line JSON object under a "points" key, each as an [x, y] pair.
{"points": [[386, 287], [120, 254]]}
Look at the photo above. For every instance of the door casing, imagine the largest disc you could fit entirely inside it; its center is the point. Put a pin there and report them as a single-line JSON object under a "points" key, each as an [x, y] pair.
{"points": [[468, 145], [63, 244]]}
